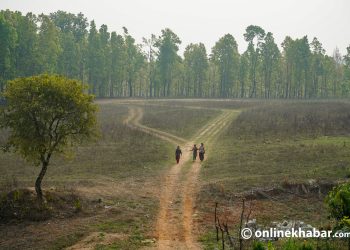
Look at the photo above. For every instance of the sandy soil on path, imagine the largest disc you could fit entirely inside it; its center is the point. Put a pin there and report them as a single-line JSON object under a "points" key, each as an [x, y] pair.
{"points": [[175, 227]]}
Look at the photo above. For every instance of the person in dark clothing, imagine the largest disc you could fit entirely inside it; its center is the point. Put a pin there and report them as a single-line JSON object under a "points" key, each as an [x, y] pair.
{"points": [[194, 149], [178, 154], [201, 152]]}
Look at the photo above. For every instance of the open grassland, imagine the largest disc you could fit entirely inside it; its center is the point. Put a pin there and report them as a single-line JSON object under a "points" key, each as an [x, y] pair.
{"points": [[241, 165], [294, 119], [120, 152], [273, 155], [211, 103], [270, 153], [181, 121], [119, 176], [285, 142]]}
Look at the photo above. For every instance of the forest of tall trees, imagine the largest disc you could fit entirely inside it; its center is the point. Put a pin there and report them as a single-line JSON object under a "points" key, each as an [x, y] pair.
{"points": [[114, 65]]}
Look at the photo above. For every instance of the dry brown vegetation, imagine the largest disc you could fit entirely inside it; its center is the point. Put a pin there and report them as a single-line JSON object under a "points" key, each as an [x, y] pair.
{"points": [[212, 103], [271, 149], [310, 119], [109, 172], [180, 121], [267, 154]]}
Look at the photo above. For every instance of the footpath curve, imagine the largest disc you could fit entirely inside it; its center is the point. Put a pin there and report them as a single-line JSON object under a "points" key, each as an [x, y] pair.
{"points": [[175, 227]]}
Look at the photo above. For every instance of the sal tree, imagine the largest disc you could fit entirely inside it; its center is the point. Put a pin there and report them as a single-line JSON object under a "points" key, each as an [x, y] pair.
{"points": [[45, 115], [225, 56], [168, 45], [254, 36]]}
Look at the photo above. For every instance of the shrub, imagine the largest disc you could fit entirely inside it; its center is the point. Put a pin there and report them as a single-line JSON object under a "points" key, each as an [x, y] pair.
{"points": [[338, 201], [258, 246]]}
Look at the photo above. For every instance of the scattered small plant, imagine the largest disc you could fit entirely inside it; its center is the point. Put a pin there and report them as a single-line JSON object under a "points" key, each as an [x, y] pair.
{"points": [[258, 246], [77, 205]]}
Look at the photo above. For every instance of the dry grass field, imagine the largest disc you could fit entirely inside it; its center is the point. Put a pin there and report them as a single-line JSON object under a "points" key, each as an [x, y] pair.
{"points": [[270, 153]]}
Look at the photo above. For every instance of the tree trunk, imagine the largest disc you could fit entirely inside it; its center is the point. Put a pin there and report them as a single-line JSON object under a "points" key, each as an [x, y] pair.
{"points": [[111, 90], [130, 88], [38, 181], [150, 88]]}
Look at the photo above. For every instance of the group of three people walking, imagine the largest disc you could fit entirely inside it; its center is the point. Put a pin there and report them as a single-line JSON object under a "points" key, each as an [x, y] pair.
{"points": [[195, 150]]}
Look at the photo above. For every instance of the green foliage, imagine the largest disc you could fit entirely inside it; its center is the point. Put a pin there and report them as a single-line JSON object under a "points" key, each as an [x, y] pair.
{"points": [[20, 205], [225, 56], [77, 205], [168, 45], [306, 246], [296, 245], [114, 64], [254, 32], [270, 246], [338, 201], [117, 64], [67, 240], [133, 61], [49, 44], [258, 246], [254, 35], [270, 63], [7, 45], [46, 114], [196, 64]]}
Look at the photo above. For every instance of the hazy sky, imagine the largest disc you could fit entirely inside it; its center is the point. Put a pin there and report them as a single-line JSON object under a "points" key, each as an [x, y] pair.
{"points": [[207, 20]]}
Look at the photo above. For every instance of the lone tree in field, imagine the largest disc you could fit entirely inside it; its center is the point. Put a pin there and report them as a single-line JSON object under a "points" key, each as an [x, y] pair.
{"points": [[46, 114]]}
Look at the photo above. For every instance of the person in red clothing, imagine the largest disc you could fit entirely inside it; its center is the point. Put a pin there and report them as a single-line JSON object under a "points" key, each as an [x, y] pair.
{"points": [[178, 154]]}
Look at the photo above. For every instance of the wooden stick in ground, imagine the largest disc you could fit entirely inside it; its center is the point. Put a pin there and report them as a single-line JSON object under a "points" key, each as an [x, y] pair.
{"points": [[222, 234], [240, 226], [228, 234], [250, 210], [216, 223]]}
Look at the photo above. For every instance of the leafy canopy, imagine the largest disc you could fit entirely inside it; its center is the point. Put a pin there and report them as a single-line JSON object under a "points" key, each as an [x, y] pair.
{"points": [[45, 114], [338, 201]]}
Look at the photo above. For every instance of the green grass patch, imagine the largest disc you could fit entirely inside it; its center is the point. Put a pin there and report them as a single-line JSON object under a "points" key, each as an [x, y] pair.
{"points": [[65, 241], [241, 165], [208, 241], [132, 228]]}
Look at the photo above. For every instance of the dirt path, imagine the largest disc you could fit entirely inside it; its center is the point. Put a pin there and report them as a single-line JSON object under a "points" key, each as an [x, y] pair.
{"points": [[175, 226], [133, 121], [191, 185]]}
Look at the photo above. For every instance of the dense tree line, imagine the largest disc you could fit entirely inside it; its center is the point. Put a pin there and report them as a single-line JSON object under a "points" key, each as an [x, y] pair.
{"points": [[115, 66]]}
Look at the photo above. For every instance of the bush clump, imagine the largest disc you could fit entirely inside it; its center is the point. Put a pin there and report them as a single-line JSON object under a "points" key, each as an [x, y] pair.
{"points": [[22, 204]]}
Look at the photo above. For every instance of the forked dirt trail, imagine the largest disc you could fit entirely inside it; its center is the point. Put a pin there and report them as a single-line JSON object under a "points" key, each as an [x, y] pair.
{"points": [[133, 121], [175, 227]]}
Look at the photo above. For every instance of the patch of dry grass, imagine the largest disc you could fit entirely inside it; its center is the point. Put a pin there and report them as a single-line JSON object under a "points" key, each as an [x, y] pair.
{"points": [[266, 147], [121, 168], [181, 121], [285, 119], [120, 153]]}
